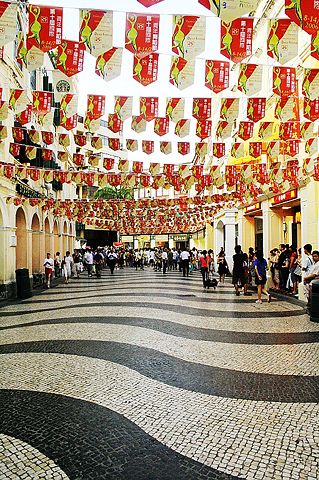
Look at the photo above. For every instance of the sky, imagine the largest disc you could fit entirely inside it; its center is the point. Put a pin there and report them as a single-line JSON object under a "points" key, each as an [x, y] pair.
{"points": [[90, 83]]}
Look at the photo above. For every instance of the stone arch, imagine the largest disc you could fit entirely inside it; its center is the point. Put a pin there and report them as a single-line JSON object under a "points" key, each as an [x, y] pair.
{"points": [[36, 244], [22, 242], [220, 235]]}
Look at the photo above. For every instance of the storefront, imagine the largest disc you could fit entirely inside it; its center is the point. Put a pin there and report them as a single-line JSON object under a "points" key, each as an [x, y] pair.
{"points": [[288, 207], [181, 241], [253, 216]]}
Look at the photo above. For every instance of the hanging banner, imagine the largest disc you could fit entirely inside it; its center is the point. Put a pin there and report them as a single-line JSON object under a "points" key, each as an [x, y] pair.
{"points": [[311, 146], [204, 128], [18, 100], [141, 33], [287, 109], [63, 156], [4, 110], [250, 78], [147, 146], [256, 109], [236, 39], [149, 3], [188, 39], [30, 152], [161, 126], [155, 168], [41, 102], [123, 165], [18, 134], [26, 116], [138, 123], [290, 148], [245, 130], [304, 14], [145, 69], [266, 130], [166, 147], [14, 149], [219, 150], [46, 121], [183, 148], [47, 138], [223, 129], [182, 72], [175, 108], [114, 123], [123, 107], [78, 159], [131, 145], [284, 81], [108, 163], [46, 154], [137, 167], [216, 75], [8, 22], [45, 27], [282, 42], [114, 143], [231, 9], [182, 128], [289, 130], [314, 46], [238, 150], [307, 130], [311, 109], [201, 149], [70, 57], [34, 136], [69, 105], [80, 140], [109, 64], [229, 109], [95, 106], [22, 52], [255, 149], [96, 31], [149, 108], [64, 139], [34, 59], [202, 108], [310, 84], [62, 85]]}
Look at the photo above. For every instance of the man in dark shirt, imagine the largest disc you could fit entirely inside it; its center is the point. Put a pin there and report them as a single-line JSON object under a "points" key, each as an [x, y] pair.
{"points": [[238, 269], [283, 266]]}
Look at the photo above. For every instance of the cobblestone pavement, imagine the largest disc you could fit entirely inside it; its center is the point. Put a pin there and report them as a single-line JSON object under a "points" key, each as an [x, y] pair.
{"points": [[145, 376]]}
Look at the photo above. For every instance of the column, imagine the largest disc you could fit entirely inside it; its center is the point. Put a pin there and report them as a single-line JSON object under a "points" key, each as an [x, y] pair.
{"points": [[246, 230], [273, 233], [230, 235], [309, 197]]}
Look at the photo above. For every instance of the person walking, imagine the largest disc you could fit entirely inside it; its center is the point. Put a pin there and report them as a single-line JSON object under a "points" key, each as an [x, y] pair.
{"points": [[98, 262], [175, 258], [204, 266], [57, 265], [48, 268], [89, 260], [77, 258], [222, 268], [312, 274], [283, 265], [164, 260], [112, 259], [67, 266], [238, 269], [185, 262], [260, 264]]}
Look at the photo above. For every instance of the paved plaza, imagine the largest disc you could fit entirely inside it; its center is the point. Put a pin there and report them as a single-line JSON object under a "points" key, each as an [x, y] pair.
{"points": [[146, 376]]}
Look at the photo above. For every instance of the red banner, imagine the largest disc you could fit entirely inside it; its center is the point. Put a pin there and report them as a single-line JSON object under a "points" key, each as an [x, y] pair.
{"points": [[108, 163], [45, 27], [289, 130], [46, 154], [202, 108], [204, 128], [78, 159], [145, 180], [138, 123], [96, 31], [18, 134], [236, 39], [47, 138], [137, 167], [149, 108], [149, 3], [311, 109], [182, 127], [255, 149], [310, 84], [182, 72], [256, 109], [289, 148], [161, 126], [26, 116], [114, 123], [145, 69], [188, 39], [219, 150], [304, 13], [248, 81], [114, 143], [216, 75], [80, 140], [183, 148], [245, 130], [141, 33], [284, 81], [69, 123], [70, 57], [41, 102], [287, 109], [148, 146], [14, 149], [175, 108], [277, 44], [95, 106]]}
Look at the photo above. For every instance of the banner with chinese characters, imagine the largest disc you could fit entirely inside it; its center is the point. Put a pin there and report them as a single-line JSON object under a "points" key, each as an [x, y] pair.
{"points": [[45, 27], [289, 130], [231, 9], [145, 69], [138, 123], [137, 167], [8, 22], [204, 128], [236, 39], [95, 106], [224, 129], [282, 43], [188, 39], [182, 127], [166, 147], [245, 130], [161, 126], [147, 146], [80, 140], [229, 109], [68, 110], [108, 163], [131, 145], [18, 100], [70, 57], [183, 148], [250, 78], [123, 107], [310, 84], [109, 64], [202, 108], [114, 143], [96, 31], [149, 108], [255, 149], [256, 109], [216, 75], [219, 150], [114, 123], [284, 81], [287, 109], [141, 33], [182, 72], [311, 109], [290, 148], [175, 108], [41, 102]]}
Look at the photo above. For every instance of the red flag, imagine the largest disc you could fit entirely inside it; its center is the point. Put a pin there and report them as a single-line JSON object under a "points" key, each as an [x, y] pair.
{"points": [[284, 81], [148, 146], [26, 116], [304, 13], [95, 106], [219, 150], [108, 163], [149, 3], [70, 57], [311, 109], [204, 128], [46, 154], [202, 108], [236, 39], [149, 108], [183, 148], [245, 130], [256, 109], [161, 126], [137, 167], [47, 138], [255, 149], [216, 75], [289, 130], [141, 36], [41, 102], [145, 69], [45, 27], [18, 134], [78, 159], [114, 124], [114, 143], [14, 149], [80, 140]]}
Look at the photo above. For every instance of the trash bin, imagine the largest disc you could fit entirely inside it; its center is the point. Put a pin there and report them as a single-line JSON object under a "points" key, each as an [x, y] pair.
{"points": [[23, 283], [314, 301]]}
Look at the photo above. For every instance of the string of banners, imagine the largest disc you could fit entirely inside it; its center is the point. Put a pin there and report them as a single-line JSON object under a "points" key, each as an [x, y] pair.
{"points": [[141, 38]]}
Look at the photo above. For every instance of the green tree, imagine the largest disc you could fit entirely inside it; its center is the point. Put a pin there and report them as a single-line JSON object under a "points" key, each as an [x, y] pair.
{"points": [[107, 193]]}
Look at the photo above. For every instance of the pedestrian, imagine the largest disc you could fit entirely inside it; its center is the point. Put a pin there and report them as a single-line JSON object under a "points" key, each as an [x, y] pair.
{"points": [[112, 260], [222, 268], [283, 265], [204, 266], [67, 264], [77, 258], [274, 270], [312, 274], [251, 258], [57, 265], [170, 259], [307, 260], [185, 255], [164, 260], [98, 260], [296, 273], [88, 259], [260, 264], [175, 258], [48, 268], [238, 269]]}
